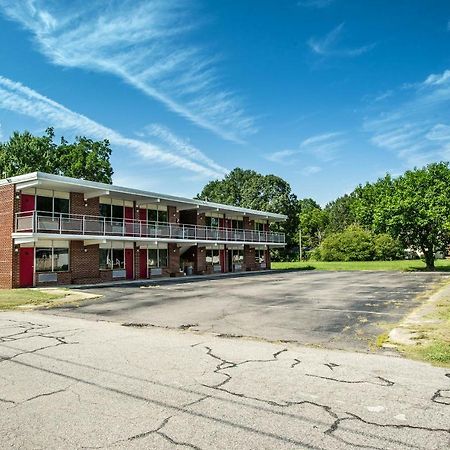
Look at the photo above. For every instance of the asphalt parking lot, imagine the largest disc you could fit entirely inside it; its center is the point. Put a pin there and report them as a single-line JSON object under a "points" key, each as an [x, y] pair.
{"points": [[345, 310]]}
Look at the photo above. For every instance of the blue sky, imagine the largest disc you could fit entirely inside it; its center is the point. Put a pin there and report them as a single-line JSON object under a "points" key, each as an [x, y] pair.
{"points": [[324, 93]]}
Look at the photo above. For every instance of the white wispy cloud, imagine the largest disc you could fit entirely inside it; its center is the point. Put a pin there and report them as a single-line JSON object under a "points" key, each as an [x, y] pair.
{"points": [[281, 156], [182, 146], [21, 99], [315, 3], [328, 45], [417, 129], [310, 170], [436, 79], [324, 146], [144, 43]]}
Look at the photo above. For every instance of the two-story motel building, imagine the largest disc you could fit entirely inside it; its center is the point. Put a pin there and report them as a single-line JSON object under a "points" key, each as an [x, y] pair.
{"points": [[60, 230]]}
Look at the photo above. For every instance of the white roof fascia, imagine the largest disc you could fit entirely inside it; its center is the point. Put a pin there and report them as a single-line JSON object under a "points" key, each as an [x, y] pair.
{"points": [[85, 186]]}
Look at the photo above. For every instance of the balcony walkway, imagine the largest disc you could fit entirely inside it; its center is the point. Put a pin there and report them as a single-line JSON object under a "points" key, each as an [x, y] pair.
{"points": [[94, 227]]}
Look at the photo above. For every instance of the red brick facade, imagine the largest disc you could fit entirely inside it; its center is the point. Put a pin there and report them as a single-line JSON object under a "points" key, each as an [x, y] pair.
{"points": [[9, 259], [84, 259]]}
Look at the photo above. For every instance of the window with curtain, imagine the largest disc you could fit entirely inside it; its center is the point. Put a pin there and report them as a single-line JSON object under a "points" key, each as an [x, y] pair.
{"points": [[52, 259]]}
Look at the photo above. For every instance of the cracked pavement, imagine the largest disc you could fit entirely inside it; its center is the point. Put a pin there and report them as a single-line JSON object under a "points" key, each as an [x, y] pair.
{"points": [[71, 383], [341, 310]]}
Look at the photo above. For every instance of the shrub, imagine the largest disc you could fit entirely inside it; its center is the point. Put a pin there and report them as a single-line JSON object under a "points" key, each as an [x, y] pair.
{"points": [[352, 244], [387, 248]]}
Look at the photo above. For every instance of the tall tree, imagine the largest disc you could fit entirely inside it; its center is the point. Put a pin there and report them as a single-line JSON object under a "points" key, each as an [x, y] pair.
{"points": [[313, 222], [340, 213], [250, 189], [84, 158], [414, 208]]}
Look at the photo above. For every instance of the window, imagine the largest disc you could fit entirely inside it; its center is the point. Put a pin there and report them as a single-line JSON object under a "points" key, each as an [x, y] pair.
{"points": [[118, 255], [154, 215], [212, 222], [52, 259], [162, 257], [105, 258], [60, 259], [50, 205], [152, 257], [111, 258], [162, 216], [105, 210], [260, 256], [117, 212], [238, 256], [259, 226], [43, 260], [61, 205], [111, 211], [238, 224], [157, 257], [44, 204], [212, 257]]}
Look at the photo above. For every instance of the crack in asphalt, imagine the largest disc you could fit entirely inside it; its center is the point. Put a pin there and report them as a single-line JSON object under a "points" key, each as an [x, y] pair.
{"points": [[384, 381], [159, 431], [331, 365], [295, 363], [441, 399], [223, 365]]}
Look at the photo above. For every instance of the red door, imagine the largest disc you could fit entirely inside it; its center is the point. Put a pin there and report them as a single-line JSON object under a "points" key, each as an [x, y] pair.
{"points": [[26, 263], [129, 266], [128, 220], [143, 263], [26, 203]]}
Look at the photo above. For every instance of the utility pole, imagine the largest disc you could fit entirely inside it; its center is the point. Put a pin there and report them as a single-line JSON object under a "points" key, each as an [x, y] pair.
{"points": [[300, 242]]}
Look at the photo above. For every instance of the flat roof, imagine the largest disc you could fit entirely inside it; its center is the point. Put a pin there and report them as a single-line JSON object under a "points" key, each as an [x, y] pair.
{"points": [[92, 188]]}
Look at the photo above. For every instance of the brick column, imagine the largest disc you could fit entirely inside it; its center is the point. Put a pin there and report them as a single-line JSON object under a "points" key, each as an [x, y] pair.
{"points": [[173, 214], [201, 259], [249, 258], [9, 260], [267, 252], [173, 258]]}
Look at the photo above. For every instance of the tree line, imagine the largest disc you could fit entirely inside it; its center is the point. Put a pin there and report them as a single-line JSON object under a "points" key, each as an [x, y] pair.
{"points": [[378, 220]]}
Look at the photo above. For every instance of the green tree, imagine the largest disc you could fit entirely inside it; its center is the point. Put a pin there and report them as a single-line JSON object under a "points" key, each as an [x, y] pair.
{"points": [[340, 213], [313, 222], [416, 210], [85, 158], [250, 189]]}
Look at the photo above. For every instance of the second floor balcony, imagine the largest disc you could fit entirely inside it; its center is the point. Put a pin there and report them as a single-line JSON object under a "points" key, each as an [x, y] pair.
{"points": [[97, 226]]}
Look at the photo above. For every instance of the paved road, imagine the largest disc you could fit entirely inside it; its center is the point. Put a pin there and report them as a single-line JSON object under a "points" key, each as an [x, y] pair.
{"points": [[333, 309], [69, 383]]}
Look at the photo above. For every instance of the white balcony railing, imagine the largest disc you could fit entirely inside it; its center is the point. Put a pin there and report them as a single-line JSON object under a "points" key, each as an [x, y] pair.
{"points": [[42, 222]]}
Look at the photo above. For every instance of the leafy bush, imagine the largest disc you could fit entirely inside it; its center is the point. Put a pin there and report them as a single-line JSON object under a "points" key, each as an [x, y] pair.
{"points": [[357, 244], [387, 248]]}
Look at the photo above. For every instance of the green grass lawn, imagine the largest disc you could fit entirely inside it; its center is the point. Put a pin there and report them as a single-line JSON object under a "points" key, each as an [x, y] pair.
{"points": [[403, 265], [13, 298]]}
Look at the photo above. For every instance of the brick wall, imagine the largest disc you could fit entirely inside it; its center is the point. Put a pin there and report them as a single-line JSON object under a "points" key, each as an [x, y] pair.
{"points": [[84, 265], [173, 214], [9, 276], [249, 258], [268, 262], [249, 224], [77, 205], [201, 260], [192, 217], [173, 258]]}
